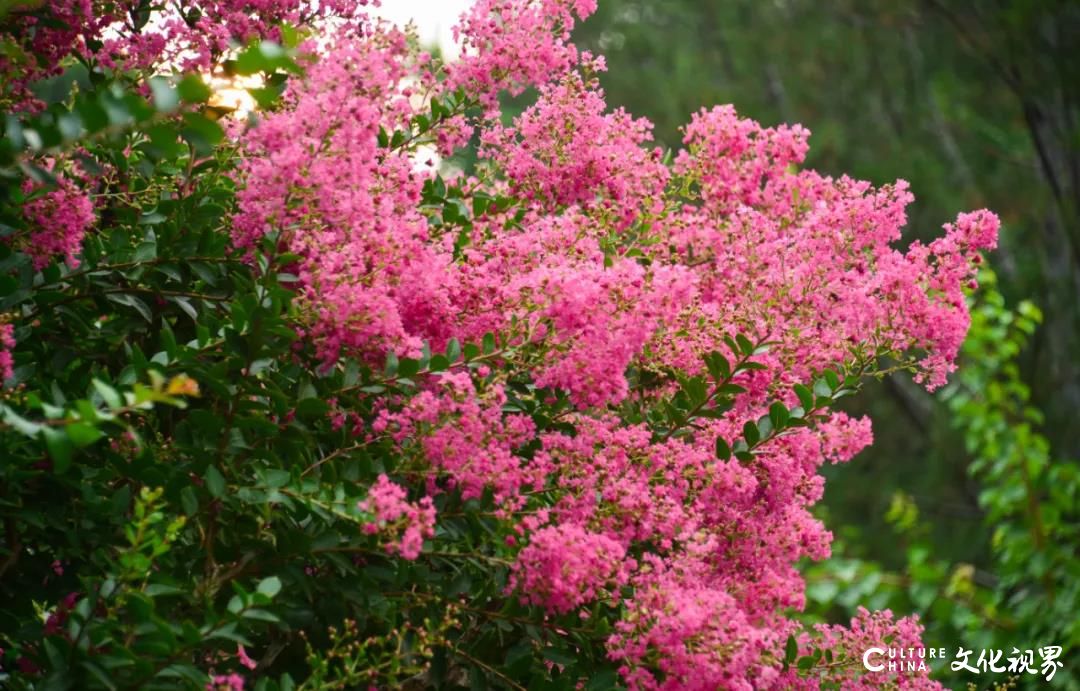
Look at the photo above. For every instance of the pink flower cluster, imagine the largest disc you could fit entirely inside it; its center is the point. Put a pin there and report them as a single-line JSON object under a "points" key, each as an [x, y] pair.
{"points": [[817, 251], [608, 278], [372, 277], [565, 150], [206, 29], [514, 44], [7, 344], [698, 635], [187, 36], [566, 566], [464, 435], [405, 523], [866, 630], [58, 221], [226, 682], [46, 41]]}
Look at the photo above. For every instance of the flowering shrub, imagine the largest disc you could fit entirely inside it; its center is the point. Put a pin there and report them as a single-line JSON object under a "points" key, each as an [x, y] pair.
{"points": [[287, 407], [57, 221]]}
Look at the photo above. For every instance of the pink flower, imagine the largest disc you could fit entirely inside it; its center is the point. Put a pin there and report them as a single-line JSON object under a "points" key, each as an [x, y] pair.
{"points": [[242, 657], [7, 344], [512, 44], [226, 682], [406, 523], [605, 282], [566, 566], [58, 220]]}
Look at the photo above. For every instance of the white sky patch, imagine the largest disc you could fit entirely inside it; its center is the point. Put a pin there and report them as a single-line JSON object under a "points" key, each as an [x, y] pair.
{"points": [[434, 20]]}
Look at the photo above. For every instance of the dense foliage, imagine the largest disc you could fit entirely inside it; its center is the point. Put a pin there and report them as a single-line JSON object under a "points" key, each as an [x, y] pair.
{"points": [[286, 407]]}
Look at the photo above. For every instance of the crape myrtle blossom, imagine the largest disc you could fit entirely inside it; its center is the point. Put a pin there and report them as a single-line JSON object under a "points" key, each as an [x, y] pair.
{"points": [[515, 44], [129, 34], [369, 270], [604, 280], [866, 630], [407, 523], [601, 284], [58, 217], [566, 566], [7, 344], [565, 150], [226, 682], [462, 433]]}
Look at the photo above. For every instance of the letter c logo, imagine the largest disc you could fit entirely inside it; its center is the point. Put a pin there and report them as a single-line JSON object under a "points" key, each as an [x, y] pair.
{"points": [[866, 659]]}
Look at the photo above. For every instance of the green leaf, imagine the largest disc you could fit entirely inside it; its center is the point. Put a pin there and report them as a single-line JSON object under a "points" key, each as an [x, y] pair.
{"points": [[730, 390], [204, 272], [696, 390], [166, 98], [60, 448], [778, 414], [201, 132], [129, 300], [99, 674], [765, 426], [603, 681], [750, 433], [408, 367], [791, 650], [559, 657], [160, 589], [83, 434], [215, 482], [455, 212], [723, 451], [275, 477], [265, 56], [453, 350], [146, 251], [745, 345], [261, 615], [806, 397], [311, 408], [189, 501], [269, 586], [822, 388], [718, 365], [20, 423], [192, 89], [744, 456], [185, 304]]}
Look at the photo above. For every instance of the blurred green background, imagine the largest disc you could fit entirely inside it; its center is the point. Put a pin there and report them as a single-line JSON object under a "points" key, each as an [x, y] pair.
{"points": [[967, 508]]}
